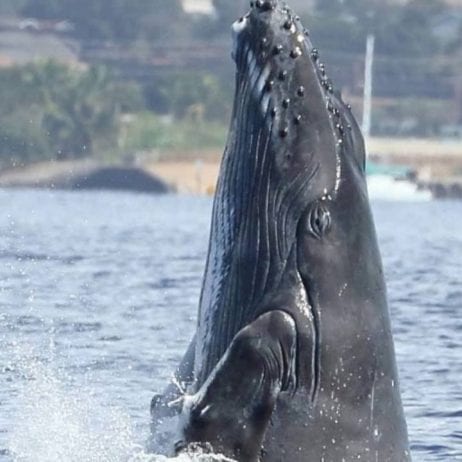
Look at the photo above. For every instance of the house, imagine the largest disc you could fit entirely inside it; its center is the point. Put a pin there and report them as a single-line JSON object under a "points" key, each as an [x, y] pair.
{"points": [[198, 6]]}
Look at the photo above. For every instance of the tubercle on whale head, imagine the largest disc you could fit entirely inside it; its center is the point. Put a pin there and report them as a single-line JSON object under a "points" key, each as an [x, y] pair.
{"points": [[276, 66], [273, 50], [260, 29]]}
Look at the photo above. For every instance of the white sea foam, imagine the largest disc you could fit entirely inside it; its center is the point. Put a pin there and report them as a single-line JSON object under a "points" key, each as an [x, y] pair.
{"points": [[57, 420]]}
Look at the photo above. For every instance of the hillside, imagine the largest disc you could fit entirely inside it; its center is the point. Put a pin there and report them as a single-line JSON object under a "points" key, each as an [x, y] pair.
{"points": [[206, 6]]}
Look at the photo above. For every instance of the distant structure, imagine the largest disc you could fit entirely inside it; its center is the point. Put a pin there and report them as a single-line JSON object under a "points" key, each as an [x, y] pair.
{"points": [[198, 6], [23, 40]]}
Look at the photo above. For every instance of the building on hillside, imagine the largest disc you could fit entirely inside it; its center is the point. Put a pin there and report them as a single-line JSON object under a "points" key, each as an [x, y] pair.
{"points": [[198, 6]]}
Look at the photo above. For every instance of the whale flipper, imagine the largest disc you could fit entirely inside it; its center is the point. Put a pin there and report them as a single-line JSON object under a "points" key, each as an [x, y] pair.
{"points": [[232, 409]]}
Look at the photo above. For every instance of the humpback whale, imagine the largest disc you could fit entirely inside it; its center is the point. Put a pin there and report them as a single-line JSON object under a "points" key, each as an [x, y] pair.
{"points": [[293, 357]]}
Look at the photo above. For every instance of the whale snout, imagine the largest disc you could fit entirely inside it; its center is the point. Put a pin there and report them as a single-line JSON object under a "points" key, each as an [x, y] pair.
{"points": [[268, 29]]}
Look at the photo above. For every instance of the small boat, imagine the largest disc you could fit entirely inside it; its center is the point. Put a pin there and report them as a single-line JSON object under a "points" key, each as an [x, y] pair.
{"points": [[394, 183]]}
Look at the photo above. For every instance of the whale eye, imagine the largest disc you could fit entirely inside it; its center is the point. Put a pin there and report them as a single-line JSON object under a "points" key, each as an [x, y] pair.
{"points": [[319, 221]]}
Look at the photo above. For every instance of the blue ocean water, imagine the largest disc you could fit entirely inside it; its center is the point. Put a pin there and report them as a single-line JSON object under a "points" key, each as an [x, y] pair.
{"points": [[98, 300]]}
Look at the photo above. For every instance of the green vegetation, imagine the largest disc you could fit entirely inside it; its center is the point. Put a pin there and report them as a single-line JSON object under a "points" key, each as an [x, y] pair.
{"points": [[147, 131], [50, 111], [400, 30]]}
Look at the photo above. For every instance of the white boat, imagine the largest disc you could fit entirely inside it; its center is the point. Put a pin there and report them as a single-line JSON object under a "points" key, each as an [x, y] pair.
{"points": [[386, 187]]}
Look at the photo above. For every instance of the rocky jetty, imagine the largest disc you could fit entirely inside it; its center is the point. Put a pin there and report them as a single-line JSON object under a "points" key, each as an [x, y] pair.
{"points": [[84, 176], [449, 188]]}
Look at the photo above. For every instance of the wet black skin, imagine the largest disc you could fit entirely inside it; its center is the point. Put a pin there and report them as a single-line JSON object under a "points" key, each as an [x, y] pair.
{"points": [[294, 356]]}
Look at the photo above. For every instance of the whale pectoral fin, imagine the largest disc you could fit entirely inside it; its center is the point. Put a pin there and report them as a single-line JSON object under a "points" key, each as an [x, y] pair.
{"points": [[232, 410], [170, 403]]}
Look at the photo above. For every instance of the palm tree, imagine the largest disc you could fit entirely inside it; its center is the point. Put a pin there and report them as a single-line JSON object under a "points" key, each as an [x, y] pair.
{"points": [[79, 107]]}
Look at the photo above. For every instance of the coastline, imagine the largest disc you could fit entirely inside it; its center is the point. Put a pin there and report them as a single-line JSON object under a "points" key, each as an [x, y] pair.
{"points": [[436, 165]]}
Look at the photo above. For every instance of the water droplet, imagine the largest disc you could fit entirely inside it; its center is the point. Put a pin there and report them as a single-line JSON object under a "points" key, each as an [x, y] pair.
{"points": [[285, 103], [269, 85], [274, 112], [282, 75], [284, 132], [315, 54], [288, 24], [297, 119], [301, 91]]}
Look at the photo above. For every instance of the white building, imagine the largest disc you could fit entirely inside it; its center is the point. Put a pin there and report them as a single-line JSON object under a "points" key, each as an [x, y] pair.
{"points": [[198, 6]]}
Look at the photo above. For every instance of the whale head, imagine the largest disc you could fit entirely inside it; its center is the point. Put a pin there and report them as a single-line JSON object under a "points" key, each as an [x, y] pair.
{"points": [[292, 234]]}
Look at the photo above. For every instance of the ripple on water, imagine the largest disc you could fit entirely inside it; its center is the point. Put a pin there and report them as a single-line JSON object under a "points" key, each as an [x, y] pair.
{"points": [[104, 321]]}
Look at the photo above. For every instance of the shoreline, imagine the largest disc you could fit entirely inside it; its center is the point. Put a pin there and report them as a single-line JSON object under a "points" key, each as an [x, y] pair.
{"points": [[436, 166]]}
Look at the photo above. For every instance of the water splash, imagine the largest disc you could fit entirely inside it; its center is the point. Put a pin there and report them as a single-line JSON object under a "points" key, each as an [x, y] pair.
{"points": [[57, 421], [60, 420]]}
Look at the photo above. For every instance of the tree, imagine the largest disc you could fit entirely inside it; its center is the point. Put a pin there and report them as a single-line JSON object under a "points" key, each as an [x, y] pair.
{"points": [[400, 30], [79, 107], [198, 93], [48, 110]]}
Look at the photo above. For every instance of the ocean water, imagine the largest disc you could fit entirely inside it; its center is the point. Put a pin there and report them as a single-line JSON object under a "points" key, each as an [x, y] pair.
{"points": [[98, 300]]}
